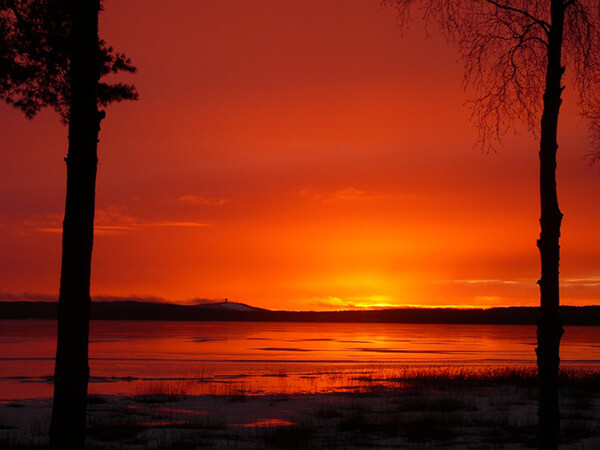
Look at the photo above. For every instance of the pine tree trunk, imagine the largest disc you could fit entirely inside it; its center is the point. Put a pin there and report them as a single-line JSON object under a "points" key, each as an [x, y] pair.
{"points": [[67, 428], [550, 328]]}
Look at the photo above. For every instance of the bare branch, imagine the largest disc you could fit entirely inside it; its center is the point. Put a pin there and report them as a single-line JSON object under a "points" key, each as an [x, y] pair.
{"points": [[505, 7], [503, 47]]}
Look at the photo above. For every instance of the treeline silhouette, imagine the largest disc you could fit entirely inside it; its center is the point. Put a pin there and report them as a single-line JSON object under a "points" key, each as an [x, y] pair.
{"points": [[522, 315]]}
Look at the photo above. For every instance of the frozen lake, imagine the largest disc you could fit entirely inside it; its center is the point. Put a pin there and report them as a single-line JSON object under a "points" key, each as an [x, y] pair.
{"points": [[267, 356]]}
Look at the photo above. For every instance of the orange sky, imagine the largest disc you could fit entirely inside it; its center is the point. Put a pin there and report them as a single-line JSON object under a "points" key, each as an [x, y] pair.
{"points": [[295, 155]]}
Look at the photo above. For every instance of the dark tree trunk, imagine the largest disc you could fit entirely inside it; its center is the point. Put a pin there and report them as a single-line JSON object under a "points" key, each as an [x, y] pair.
{"points": [[550, 327], [67, 428]]}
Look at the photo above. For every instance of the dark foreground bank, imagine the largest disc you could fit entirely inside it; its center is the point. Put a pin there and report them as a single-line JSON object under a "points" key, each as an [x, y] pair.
{"points": [[427, 409]]}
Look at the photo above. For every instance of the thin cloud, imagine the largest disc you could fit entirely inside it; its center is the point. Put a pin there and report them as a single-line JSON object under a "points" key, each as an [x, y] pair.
{"points": [[201, 200], [37, 297], [588, 281], [27, 297], [591, 281], [376, 302], [177, 224], [492, 281], [98, 229], [352, 303], [108, 222], [349, 194]]}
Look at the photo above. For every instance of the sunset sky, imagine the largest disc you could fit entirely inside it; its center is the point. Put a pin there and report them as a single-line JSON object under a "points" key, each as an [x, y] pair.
{"points": [[295, 155]]}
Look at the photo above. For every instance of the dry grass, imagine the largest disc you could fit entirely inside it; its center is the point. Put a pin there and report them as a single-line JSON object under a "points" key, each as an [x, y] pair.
{"points": [[162, 391]]}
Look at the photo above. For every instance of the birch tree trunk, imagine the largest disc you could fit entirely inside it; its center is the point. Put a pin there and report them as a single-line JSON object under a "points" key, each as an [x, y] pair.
{"points": [[550, 328]]}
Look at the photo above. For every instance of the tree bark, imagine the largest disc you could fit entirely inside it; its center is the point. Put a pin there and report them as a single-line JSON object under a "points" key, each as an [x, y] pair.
{"points": [[67, 428], [550, 330]]}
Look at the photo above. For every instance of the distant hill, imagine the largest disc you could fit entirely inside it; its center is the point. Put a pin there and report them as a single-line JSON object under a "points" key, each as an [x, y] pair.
{"points": [[230, 306], [232, 311]]}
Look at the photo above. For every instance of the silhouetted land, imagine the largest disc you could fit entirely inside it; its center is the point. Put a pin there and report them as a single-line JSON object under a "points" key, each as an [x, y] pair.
{"points": [[123, 310]]}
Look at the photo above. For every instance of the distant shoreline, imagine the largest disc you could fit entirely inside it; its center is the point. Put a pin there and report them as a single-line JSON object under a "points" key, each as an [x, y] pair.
{"points": [[518, 315]]}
